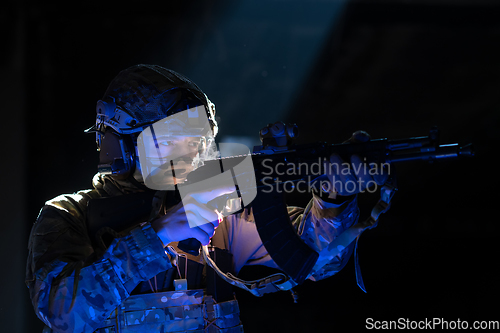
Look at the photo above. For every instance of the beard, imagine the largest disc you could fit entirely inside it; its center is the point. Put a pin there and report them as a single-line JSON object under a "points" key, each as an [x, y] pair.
{"points": [[165, 176]]}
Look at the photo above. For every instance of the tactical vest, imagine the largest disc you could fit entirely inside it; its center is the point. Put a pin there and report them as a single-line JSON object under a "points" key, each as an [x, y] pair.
{"points": [[203, 302], [173, 311]]}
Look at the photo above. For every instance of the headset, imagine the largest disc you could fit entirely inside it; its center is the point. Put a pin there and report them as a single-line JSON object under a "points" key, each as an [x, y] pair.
{"points": [[116, 154], [116, 151]]}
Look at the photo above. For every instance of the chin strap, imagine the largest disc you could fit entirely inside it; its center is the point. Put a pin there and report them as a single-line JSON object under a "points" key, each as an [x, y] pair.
{"points": [[269, 284], [354, 232]]}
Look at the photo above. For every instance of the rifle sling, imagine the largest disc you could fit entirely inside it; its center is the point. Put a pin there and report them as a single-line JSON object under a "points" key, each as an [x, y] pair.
{"points": [[292, 255]]}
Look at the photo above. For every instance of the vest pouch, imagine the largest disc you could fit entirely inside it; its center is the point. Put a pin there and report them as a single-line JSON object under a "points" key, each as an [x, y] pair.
{"points": [[173, 311]]}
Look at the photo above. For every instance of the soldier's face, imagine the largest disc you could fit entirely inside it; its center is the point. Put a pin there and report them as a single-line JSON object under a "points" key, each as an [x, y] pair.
{"points": [[168, 148], [170, 158]]}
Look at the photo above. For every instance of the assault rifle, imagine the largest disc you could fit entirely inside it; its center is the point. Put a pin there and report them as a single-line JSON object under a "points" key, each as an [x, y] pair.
{"points": [[279, 162]]}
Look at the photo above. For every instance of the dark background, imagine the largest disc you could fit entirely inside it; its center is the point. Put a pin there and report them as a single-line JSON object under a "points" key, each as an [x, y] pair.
{"points": [[392, 68]]}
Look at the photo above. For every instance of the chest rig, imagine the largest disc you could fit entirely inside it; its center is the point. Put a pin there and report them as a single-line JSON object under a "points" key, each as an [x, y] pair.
{"points": [[190, 296]]}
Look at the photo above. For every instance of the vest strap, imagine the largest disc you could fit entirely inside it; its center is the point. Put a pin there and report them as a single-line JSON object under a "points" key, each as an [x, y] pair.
{"points": [[268, 284]]}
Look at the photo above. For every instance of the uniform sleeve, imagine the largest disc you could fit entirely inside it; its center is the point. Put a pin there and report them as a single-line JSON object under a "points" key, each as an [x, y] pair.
{"points": [[72, 290], [320, 223]]}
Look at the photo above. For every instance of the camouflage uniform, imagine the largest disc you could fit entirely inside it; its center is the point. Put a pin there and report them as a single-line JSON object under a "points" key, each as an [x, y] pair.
{"points": [[76, 286]]}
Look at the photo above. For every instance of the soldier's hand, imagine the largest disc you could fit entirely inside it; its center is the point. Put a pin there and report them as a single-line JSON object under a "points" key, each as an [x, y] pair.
{"points": [[191, 218], [354, 176]]}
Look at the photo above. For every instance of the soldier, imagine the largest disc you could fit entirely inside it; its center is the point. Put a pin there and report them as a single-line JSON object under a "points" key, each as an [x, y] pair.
{"points": [[105, 259]]}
